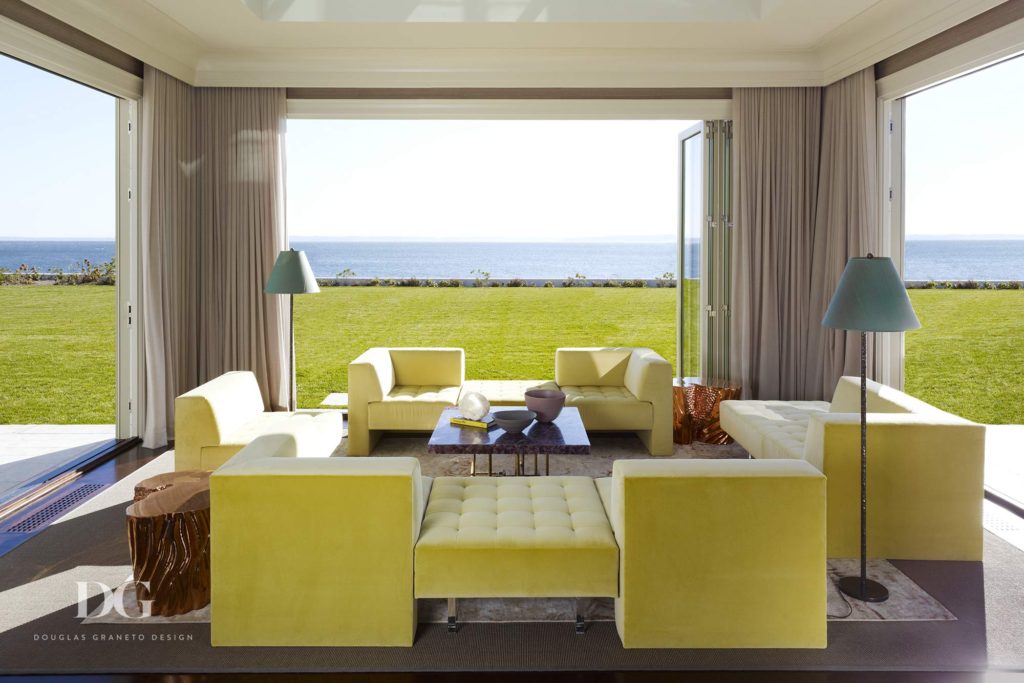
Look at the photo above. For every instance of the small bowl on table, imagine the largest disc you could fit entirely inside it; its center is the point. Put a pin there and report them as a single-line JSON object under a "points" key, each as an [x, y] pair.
{"points": [[514, 421], [547, 403]]}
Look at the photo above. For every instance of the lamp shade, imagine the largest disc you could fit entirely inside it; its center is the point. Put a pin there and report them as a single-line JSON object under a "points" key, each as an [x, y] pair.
{"points": [[291, 275], [871, 297]]}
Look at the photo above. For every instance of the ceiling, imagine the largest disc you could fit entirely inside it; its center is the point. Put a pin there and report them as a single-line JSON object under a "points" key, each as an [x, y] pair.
{"points": [[512, 43]]}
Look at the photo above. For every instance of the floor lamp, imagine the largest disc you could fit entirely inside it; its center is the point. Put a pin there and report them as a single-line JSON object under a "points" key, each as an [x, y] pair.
{"points": [[871, 297], [291, 275]]}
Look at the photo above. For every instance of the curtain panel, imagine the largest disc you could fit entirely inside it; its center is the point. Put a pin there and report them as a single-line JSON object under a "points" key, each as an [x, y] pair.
{"points": [[805, 201], [212, 196]]}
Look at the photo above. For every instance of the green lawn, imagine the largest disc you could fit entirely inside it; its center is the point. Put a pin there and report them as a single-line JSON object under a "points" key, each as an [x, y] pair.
{"points": [[57, 347], [57, 343]]}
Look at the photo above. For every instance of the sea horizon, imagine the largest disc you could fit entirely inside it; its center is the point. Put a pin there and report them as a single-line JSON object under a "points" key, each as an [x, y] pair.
{"points": [[926, 259]]}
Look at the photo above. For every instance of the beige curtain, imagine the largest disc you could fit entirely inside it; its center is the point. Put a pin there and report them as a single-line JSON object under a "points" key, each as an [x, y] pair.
{"points": [[776, 136], [212, 224], [805, 201], [846, 223]]}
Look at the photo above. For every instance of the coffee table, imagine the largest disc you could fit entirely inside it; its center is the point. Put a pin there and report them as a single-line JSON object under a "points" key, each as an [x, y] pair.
{"points": [[565, 436]]}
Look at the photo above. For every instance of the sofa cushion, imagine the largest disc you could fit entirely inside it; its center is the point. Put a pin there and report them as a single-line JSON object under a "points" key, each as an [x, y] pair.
{"points": [[609, 407], [412, 407], [505, 392], [770, 429], [515, 537]]}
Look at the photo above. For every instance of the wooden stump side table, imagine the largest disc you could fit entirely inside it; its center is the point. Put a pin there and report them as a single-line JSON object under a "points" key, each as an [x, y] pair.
{"points": [[169, 539], [695, 410]]}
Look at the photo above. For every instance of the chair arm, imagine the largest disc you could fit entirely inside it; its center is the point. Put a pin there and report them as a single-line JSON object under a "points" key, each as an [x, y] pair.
{"points": [[371, 377], [649, 377]]}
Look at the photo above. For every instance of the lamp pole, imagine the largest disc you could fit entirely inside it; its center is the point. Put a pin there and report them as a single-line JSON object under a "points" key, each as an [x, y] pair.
{"points": [[291, 275]]}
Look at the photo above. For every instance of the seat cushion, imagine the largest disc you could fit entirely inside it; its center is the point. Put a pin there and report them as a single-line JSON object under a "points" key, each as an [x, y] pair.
{"points": [[770, 429], [505, 392], [515, 537], [609, 407], [317, 434], [411, 407]]}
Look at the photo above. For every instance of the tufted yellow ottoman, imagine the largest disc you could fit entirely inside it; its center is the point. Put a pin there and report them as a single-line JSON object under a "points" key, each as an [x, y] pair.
{"points": [[529, 537]]}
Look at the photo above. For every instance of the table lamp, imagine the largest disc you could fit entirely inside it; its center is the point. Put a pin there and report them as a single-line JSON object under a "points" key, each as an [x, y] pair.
{"points": [[291, 275], [870, 297]]}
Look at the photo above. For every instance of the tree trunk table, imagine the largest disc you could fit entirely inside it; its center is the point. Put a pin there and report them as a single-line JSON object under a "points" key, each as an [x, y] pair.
{"points": [[169, 539], [695, 411]]}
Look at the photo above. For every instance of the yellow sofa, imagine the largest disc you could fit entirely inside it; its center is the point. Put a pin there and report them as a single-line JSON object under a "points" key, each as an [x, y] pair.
{"points": [[620, 389], [925, 468], [313, 551], [217, 419], [718, 553], [400, 389]]}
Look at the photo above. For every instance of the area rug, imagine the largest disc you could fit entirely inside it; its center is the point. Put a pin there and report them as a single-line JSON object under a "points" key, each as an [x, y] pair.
{"points": [[907, 602]]}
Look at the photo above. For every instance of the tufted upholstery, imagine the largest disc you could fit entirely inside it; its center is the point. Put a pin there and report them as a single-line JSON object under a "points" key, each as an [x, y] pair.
{"points": [[400, 389], [770, 429], [608, 407], [515, 537], [411, 407]]}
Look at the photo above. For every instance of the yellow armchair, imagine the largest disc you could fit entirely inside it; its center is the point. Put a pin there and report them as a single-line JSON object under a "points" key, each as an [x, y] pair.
{"points": [[718, 553], [217, 419], [620, 389], [313, 551], [400, 389]]}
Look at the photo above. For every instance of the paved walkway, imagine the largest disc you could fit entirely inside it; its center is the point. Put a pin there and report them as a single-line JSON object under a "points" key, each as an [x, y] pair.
{"points": [[1004, 461], [28, 451]]}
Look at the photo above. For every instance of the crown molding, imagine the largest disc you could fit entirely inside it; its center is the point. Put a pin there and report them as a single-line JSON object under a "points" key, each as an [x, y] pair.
{"points": [[479, 68], [855, 45], [164, 43]]}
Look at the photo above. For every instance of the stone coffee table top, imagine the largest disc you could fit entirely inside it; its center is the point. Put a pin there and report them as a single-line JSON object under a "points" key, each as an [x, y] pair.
{"points": [[564, 436]]}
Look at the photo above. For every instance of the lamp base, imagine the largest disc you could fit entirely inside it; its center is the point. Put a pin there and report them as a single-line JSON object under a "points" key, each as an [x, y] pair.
{"points": [[863, 589]]}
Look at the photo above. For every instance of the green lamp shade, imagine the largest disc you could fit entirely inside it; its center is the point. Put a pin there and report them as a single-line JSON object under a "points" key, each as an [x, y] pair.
{"points": [[291, 275], [871, 297]]}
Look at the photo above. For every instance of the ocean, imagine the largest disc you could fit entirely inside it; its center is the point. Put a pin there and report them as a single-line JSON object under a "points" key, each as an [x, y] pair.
{"points": [[925, 259]]}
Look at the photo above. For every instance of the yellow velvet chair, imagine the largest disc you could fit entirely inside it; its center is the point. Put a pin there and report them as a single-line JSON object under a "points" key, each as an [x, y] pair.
{"points": [[620, 389], [400, 389], [926, 468], [217, 419], [718, 553], [313, 551]]}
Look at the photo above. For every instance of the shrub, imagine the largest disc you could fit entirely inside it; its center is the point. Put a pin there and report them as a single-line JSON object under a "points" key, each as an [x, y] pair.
{"points": [[1011, 284], [449, 283], [480, 277], [665, 280], [23, 275], [88, 274], [637, 284], [611, 283], [549, 283], [348, 272], [577, 280], [517, 282], [408, 282]]}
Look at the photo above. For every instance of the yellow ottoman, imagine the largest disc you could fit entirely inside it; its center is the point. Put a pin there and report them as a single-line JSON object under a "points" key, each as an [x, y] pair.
{"points": [[515, 537]]}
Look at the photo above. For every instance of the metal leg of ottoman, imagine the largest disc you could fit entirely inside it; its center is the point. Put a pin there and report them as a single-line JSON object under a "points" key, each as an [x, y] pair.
{"points": [[581, 625], [453, 615]]}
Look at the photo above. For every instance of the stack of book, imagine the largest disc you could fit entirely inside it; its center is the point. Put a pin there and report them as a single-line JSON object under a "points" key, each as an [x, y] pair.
{"points": [[485, 422]]}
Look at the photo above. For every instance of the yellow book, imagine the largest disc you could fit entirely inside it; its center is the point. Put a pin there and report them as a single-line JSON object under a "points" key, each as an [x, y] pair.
{"points": [[486, 422]]}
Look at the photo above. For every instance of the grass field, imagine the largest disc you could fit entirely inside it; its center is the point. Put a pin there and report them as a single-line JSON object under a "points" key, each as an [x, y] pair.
{"points": [[57, 343]]}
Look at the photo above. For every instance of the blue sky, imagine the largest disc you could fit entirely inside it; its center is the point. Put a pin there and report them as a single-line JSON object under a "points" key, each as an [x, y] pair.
{"points": [[509, 180]]}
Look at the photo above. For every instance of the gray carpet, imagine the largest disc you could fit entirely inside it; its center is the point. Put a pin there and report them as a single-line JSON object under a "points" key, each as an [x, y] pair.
{"points": [[45, 636]]}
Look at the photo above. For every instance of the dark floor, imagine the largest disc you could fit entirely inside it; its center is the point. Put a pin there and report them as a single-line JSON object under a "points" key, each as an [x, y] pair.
{"points": [[988, 601]]}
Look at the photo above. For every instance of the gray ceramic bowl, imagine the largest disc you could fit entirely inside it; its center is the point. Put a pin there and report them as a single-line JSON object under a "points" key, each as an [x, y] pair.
{"points": [[514, 421], [547, 403]]}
